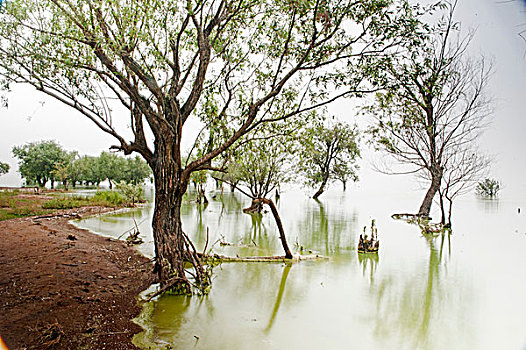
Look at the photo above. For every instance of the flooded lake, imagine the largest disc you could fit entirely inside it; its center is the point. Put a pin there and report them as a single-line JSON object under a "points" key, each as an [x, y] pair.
{"points": [[466, 290]]}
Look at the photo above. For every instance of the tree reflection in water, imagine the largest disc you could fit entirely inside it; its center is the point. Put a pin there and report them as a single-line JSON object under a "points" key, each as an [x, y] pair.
{"points": [[282, 284], [409, 307], [368, 262]]}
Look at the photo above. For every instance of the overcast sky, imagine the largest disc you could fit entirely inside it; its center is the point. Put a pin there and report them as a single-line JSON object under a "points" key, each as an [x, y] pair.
{"points": [[32, 116]]}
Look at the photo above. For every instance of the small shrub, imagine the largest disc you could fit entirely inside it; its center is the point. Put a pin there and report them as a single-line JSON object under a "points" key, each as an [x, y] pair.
{"points": [[132, 193], [488, 188]]}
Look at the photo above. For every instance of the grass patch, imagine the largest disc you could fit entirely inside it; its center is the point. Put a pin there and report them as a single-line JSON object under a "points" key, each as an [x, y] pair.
{"points": [[102, 198], [108, 198], [65, 203], [14, 204]]}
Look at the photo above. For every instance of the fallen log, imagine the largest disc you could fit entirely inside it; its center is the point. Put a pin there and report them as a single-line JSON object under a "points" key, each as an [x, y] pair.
{"points": [[408, 217], [274, 258]]}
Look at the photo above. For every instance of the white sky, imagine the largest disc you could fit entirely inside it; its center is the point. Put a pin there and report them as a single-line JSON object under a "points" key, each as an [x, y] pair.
{"points": [[498, 27]]}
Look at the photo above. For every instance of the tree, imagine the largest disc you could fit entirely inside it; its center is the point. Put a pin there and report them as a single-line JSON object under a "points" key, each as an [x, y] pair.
{"points": [[327, 154], [433, 103], [116, 168], [77, 171], [88, 170], [235, 65], [135, 171], [199, 179], [37, 161], [4, 168], [462, 170], [488, 188], [112, 167], [261, 167], [63, 171]]}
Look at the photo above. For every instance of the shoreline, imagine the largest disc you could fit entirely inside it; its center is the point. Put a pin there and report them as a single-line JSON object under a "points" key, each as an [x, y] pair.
{"points": [[65, 287]]}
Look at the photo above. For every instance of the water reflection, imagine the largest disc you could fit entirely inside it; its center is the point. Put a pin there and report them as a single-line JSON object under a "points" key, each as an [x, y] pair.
{"points": [[489, 206], [419, 292], [369, 263], [327, 234], [411, 307], [281, 289]]}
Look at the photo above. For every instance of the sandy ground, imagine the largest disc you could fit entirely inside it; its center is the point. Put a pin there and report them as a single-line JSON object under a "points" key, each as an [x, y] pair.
{"points": [[62, 287]]}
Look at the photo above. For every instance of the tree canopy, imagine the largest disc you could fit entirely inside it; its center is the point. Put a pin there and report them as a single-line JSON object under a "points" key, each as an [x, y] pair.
{"points": [[234, 65], [328, 153], [433, 103], [37, 160], [261, 167]]}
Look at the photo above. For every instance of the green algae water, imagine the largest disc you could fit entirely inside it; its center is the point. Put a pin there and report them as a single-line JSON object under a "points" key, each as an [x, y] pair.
{"points": [[464, 290]]}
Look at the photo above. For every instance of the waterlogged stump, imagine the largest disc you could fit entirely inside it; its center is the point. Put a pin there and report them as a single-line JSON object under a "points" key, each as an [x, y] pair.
{"points": [[366, 245]]}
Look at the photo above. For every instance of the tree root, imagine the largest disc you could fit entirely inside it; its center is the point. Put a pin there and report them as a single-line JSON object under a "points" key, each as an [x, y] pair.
{"points": [[202, 276], [170, 284]]}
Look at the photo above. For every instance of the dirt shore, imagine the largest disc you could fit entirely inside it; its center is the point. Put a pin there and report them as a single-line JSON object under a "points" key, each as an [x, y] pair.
{"points": [[65, 288]]}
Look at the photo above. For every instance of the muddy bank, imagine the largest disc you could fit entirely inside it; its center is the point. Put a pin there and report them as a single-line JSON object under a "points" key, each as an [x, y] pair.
{"points": [[63, 287]]}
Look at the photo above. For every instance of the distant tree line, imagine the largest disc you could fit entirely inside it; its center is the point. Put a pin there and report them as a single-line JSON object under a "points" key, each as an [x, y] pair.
{"points": [[46, 161]]}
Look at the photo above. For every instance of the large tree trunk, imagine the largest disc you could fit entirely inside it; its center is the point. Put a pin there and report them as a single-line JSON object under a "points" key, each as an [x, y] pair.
{"points": [[436, 179], [168, 231], [172, 245]]}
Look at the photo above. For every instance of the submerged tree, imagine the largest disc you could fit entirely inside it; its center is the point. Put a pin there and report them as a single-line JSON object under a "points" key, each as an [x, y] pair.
{"points": [[234, 64], [327, 154], [262, 166], [434, 103], [462, 170], [199, 179], [488, 188]]}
